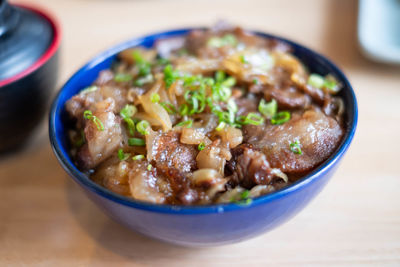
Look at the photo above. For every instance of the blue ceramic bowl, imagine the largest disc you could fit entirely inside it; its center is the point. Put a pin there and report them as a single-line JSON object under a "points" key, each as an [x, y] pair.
{"points": [[200, 225]]}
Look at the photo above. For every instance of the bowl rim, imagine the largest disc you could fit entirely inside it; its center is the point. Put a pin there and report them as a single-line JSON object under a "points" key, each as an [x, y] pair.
{"points": [[87, 183], [50, 51]]}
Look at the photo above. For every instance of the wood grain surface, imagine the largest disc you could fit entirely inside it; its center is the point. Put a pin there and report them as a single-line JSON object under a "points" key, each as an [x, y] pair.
{"points": [[47, 221]]}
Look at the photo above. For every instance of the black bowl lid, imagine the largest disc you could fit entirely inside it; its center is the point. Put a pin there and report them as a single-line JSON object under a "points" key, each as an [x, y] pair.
{"points": [[25, 35]]}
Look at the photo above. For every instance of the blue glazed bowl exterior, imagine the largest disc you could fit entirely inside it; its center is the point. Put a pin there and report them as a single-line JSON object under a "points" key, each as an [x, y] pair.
{"points": [[200, 225]]}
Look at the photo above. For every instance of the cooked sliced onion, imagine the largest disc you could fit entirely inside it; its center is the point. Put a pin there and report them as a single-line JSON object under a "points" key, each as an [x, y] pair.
{"points": [[147, 117], [198, 66], [143, 186], [210, 158], [280, 174], [259, 190], [192, 136], [151, 148], [230, 135], [230, 195], [205, 176], [293, 65], [155, 110]]}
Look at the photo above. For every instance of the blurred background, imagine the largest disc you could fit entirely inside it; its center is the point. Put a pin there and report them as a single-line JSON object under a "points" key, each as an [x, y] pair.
{"points": [[46, 220]]}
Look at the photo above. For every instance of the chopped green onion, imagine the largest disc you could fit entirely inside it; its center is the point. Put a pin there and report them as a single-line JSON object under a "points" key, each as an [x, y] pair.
{"points": [[245, 194], [138, 157], [143, 65], [155, 97], [87, 114], [183, 110], [170, 75], [295, 148], [168, 107], [196, 100], [201, 146], [149, 167], [131, 125], [122, 77], [243, 59], [220, 126], [331, 84], [280, 117], [268, 109], [229, 82], [81, 140], [316, 80], [227, 39], [219, 76], [143, 80], [244, 198], [142, 127], [128, 111], [122, 155], [255, 81], [251, 118], [136, 142], [187, 123], [89, 89]]}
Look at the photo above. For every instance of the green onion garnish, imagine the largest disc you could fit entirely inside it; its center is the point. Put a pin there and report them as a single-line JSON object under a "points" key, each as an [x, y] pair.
{"points": [[316, 80], [122, 155], [268, 109], [89, 89], [243, 198], [149, 167], [243, 59], [87, 114], [331, 84], [220, 126], [138, 157], [143, 80], [170, 76], [183, 110], [255, 81], [155, 97], [295, 147], [128, 111], [136, 142], [168, 107], [280, 117], [143, 65], [201, 146], [122, 77], [219, 76], [81, 140], [126, 114], [187, 123], [251, 118], [229, 82], [227, 39], [142, 126]]}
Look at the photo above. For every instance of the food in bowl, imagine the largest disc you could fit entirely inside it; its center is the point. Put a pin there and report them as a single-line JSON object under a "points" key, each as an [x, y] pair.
{"points": [[220, 115]]}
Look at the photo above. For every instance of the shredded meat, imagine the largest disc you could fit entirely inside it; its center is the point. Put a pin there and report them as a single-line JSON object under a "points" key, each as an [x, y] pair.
{"points": [[100, 144], [318, 135], [169, 152], [249, 167]]}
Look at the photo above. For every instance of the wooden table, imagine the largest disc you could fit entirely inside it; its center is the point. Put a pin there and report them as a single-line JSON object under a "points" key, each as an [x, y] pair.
{"points": [[46, 219]]}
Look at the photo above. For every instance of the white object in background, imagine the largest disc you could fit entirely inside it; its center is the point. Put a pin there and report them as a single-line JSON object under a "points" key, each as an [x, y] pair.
{"points": [[379, 30]]}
